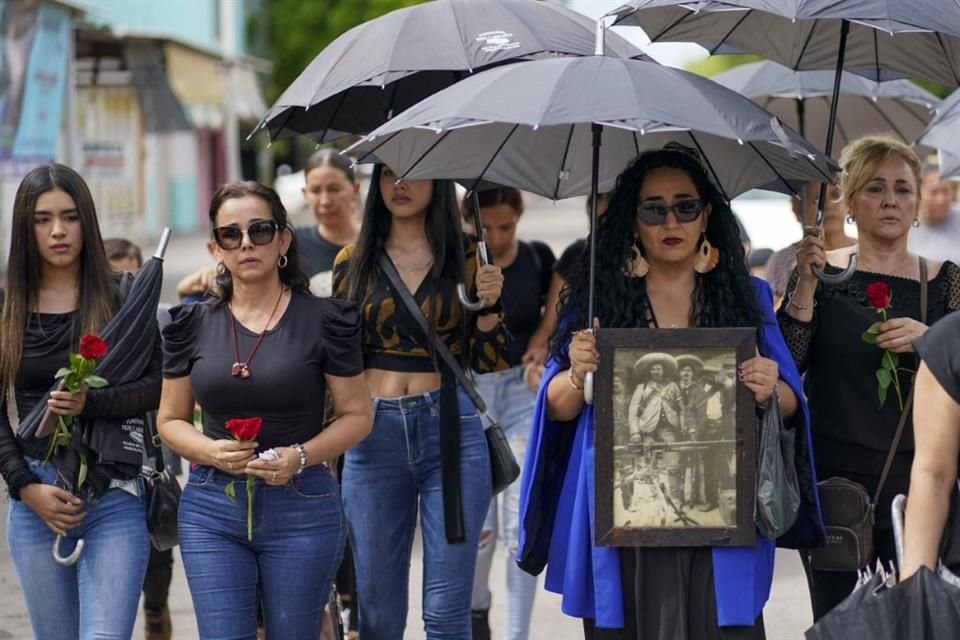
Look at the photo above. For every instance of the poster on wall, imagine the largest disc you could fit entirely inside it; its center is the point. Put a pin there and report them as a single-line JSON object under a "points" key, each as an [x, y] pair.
{"points": [[109, 134], [34, 50]]}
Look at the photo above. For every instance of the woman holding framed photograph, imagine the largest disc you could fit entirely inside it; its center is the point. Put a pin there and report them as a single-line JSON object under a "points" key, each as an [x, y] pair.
{"points": [[668, 256]]}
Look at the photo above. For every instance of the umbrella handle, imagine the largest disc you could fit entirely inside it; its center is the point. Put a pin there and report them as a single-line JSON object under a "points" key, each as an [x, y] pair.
{"points": [[71, 559], [480, 303], [896, 516], [588, 388], [843, 276]]}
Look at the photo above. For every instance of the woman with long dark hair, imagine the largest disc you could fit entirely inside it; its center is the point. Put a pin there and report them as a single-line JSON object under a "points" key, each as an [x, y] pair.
{"points": [[59, 287], [668, 256], [268, 350], [427, 449]]}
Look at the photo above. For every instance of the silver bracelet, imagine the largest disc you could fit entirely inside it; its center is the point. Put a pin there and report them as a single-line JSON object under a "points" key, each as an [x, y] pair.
{"points": [[801, 307], [303, 457]]}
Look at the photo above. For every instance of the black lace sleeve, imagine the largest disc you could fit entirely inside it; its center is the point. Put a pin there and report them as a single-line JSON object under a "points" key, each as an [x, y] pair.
{"points": [[131, 399], [797, 334], [13, 466]]}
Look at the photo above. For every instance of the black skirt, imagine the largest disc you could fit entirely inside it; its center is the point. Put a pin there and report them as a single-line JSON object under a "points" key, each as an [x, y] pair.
{"points": [[668, 594]]}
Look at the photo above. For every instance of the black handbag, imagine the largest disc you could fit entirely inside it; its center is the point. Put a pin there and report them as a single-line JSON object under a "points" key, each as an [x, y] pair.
{"points": [[162, 492], [848, 512], [504, 469]]}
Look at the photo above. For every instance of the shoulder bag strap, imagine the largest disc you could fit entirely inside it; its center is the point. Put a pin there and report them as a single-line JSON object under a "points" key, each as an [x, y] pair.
{"points": [[908, 406], [401, 291]]}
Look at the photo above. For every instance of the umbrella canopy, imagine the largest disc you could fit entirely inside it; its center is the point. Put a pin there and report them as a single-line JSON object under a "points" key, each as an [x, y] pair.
{"points": [[383, 66], [541, 139], [801, 99], [132, 334], [942, 135], [923, 607], [887, 40]]}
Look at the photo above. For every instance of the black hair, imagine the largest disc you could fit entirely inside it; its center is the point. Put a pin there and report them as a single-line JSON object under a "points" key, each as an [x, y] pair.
{"points": [[330, 158], [723, 297]]}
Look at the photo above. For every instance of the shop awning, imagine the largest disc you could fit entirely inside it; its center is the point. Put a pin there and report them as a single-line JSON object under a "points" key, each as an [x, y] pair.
{"points": [[198, 81], [159, 106], [245, 93]]}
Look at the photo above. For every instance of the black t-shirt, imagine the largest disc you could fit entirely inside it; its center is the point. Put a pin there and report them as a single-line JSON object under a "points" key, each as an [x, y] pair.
{"points": [[316, 254], [525, 285], [286, 387], [569, 260], [940, 350]]}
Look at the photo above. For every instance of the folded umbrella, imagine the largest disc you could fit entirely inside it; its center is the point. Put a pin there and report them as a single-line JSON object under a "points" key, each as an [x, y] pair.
{"points": [[941, 134]]}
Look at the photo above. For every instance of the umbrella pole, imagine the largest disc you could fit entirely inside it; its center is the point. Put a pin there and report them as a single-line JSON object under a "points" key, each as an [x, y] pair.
{"points": [[162, 245], [828, 149], [802, 128], [479, 303], [597, 131]]}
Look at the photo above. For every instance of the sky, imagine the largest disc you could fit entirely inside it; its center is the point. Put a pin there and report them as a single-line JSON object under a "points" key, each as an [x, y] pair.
{"points": [[673, 54]]}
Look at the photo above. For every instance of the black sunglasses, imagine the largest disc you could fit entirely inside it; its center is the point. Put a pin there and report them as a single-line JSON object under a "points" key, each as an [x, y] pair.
{"points": [[260, 233], [654, 213]]}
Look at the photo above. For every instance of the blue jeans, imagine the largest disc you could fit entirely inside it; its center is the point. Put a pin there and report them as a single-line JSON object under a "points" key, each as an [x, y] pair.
{"points": [[511, 402], [97, 597], [298, 536], [385, 477]]}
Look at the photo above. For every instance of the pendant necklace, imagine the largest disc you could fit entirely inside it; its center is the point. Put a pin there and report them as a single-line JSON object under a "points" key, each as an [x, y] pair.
{"points": [[242, 369]]}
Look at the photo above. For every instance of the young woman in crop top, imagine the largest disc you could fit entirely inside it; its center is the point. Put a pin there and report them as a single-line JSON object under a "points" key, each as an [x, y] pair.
{"points": [[264, 348], [427, 446]]}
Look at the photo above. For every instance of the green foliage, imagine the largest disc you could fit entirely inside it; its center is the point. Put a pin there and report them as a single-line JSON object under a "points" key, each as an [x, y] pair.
{"points": [[713, 65], [297, 31]]}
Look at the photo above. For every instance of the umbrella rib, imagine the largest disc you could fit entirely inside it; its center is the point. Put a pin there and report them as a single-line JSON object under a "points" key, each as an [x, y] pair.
{"points": [[884, 117], [806, 43], [494, 157], [426, 153], [730, 33], [671, 26], [636, 143], [772, 168], [374, 150], [563, 162], [703, 155], [946, 56], [286, 118], [340, 100], [876, 54]]}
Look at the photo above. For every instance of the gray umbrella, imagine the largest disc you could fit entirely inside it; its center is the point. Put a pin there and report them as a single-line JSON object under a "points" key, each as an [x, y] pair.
{"points": [[383, 66], [801, 99], [881, 39], [571, 125], [942, 135]]}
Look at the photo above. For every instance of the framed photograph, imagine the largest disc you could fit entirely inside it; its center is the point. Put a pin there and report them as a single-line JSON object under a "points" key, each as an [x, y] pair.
{"points": [[675, 438]]}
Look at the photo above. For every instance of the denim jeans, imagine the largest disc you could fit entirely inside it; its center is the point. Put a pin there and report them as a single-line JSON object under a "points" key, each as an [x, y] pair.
{"points": [[385, 477], [511, 402], [298, 536], [98, 596]]}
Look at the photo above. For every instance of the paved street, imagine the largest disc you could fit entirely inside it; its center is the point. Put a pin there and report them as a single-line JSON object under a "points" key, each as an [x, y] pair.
{"points": [[787, 614]]}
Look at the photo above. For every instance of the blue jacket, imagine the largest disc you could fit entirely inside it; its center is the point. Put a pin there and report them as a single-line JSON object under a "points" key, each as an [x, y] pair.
{"points": [[557, 509]]}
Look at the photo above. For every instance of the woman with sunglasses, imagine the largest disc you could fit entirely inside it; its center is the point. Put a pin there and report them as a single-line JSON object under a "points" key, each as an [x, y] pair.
{"points": [[59, 287], [264, 348], [427, 449], [669, 256]]}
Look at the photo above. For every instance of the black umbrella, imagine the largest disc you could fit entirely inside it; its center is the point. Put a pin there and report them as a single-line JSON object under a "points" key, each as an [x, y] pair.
{"points": [[924, 607], [547, 137], [877, 38], [381, 67], [110, 444]]}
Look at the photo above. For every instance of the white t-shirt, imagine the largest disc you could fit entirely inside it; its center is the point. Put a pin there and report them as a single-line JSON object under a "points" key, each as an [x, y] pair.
{"points": [[941, 242]]}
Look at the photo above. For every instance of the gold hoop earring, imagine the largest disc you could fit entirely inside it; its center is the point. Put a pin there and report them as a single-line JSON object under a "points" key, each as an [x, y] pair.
{"points": [[221, 269], [637, 266], [282, 262], [708, 257]]}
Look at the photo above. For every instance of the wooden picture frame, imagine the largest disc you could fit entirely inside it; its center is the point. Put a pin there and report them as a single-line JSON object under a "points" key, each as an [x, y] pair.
{"points": [[682, 471]]}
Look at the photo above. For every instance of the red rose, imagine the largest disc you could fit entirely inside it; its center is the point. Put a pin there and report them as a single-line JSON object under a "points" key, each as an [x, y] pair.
{"points": [[878, 294], [244, 428], [92, 347]]}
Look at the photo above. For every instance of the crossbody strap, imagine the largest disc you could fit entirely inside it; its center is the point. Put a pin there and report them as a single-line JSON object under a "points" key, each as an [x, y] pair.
{"points": [[400, 290], [909, 403]]}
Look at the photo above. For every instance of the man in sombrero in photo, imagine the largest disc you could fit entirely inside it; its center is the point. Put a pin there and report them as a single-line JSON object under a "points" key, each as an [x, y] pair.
{"points": [[654, 414]]}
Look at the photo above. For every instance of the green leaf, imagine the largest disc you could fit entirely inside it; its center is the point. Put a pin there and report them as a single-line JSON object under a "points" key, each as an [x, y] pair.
{"points": [[231, 491], [874, 328], [76, 361], [82, 476], [63, 372], [884, 377], [95, 382], [869, 338], [882, 393], [893, 359]]}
